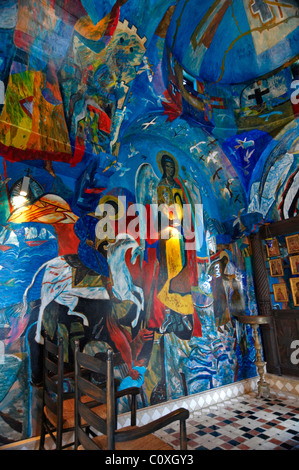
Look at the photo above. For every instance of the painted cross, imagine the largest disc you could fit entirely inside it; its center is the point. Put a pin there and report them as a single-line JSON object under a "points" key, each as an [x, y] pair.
{"points": [[258, 95], [261, 8]]}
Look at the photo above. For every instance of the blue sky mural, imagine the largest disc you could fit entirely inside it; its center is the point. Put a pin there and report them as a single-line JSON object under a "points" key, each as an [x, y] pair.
{"points": [[109, 109]]}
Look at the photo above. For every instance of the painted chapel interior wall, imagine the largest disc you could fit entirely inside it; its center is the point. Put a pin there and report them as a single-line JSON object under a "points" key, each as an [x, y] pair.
{"points": [[108, 113]]}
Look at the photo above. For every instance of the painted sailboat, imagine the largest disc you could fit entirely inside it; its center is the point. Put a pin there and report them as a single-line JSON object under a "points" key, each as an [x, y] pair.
{"points": [[35, 237], [8, 239]]}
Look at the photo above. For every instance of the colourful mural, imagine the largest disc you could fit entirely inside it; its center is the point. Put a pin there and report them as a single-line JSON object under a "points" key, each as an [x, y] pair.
{"points": [[150, 140]]}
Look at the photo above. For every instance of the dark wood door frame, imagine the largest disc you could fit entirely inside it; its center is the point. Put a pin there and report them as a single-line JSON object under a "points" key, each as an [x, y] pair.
{"points": [[270, 333]]}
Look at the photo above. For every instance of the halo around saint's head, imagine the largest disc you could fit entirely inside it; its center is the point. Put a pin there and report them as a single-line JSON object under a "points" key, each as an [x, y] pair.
{"points": [[115, 202]]}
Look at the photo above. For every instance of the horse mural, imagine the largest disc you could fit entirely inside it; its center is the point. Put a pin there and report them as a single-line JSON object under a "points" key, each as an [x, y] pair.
{"points": [[57, 283]]}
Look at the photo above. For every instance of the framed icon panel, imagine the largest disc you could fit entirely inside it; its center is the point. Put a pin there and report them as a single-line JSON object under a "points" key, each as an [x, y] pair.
{"points": [[293, 243], [276, 267], [280, 292], [273, 249], [294, 281], [294, 263]]}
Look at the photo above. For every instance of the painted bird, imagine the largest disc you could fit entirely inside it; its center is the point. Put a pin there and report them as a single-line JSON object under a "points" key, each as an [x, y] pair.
{"points": [[244, 144], [216, 174], [145, 125]]}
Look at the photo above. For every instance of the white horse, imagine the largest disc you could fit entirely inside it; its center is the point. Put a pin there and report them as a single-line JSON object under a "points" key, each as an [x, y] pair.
{"points": [[57, 283]]}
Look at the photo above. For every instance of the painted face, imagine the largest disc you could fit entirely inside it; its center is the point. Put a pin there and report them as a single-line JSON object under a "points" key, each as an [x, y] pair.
{"points": [[169, 169]]}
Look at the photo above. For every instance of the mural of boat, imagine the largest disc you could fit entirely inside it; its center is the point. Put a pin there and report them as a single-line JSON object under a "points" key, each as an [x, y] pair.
{"points": [[35, 237], [8, 239]]}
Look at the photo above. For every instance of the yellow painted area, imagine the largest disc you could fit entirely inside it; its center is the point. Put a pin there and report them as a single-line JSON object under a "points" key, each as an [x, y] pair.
{"points": [[88, 30], [180, 303], [43, 126]]}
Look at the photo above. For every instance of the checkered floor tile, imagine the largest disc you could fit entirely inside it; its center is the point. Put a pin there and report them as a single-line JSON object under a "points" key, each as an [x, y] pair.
{"points": [[242, 423]]}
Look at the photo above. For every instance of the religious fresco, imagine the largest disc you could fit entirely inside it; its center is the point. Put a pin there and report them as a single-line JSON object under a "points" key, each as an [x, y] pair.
{"points": [[151, 150]]}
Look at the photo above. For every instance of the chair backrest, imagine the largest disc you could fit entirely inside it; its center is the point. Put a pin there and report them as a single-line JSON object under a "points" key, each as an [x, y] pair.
{"points": [[87, 370], [84, 414], [53, 394]]}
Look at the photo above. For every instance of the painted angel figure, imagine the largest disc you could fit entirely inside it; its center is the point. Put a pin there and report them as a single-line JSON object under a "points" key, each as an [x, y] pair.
{"points": [[177, 266]]}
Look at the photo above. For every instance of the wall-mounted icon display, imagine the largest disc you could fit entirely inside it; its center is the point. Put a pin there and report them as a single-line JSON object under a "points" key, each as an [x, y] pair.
{"points": [[280, 292], [295, 290], [273, 248], [293, 243], [294, 263], [276, 267]]}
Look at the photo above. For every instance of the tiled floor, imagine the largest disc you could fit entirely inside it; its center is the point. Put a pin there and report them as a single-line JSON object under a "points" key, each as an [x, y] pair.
{"points": [[242, 423]]}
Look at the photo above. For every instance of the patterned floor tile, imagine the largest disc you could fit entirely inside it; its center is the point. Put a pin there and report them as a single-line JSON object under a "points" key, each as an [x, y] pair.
{"points": [[242, 423]]}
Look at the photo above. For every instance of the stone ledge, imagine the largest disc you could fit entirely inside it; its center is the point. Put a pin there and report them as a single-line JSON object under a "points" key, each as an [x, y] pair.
{"points": [[192, 402], [283, 384]]}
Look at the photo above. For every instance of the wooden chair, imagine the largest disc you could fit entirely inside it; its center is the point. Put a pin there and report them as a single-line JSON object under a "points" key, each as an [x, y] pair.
{"points": [[58, 406], [107, 436], [57, 415]]}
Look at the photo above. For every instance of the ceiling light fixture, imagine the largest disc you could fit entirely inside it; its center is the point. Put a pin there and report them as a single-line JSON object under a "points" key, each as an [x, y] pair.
{"points": [[25, 186]]}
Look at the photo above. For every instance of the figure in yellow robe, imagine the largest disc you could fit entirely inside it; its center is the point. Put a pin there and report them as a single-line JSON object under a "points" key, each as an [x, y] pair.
{"points": [[174, 288]]}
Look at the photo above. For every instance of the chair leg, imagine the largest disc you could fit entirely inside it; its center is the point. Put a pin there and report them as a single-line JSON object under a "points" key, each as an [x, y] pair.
{"points": [[58, 439], [133, 410], [183, 435], [42, 438]]}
